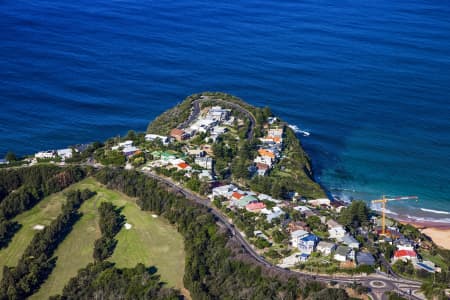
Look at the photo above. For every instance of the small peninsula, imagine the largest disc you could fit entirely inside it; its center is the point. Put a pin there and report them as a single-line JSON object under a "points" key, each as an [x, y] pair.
{"points": [[214, 179]]}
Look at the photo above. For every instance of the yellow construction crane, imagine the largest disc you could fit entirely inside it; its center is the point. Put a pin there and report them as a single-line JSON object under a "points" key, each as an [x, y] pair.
{"points": [[385, 200]]}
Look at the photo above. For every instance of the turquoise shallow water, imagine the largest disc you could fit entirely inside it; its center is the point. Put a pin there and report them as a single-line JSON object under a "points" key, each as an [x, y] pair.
{"points": [[369, 80]]}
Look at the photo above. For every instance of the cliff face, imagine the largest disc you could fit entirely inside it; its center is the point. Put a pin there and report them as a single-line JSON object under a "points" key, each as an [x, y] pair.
{"points": [[293, 172]]}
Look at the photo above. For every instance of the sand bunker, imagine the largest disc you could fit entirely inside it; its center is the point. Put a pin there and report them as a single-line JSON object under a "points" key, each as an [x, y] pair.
{"points": [[38, 227]]}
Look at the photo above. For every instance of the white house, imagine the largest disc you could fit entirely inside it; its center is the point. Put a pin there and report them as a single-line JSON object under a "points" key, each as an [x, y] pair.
{"points": [[223, 191], [205, 162], [45, 154], [307, 244], [297, 235], [152, 137], [326, 247], [344, 253], [337, 233], [318, 202], [127, 143], [276, 212], [64, 153]]}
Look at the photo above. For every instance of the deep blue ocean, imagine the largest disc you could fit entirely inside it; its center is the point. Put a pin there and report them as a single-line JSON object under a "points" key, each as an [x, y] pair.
{"points": [[370, 80]]}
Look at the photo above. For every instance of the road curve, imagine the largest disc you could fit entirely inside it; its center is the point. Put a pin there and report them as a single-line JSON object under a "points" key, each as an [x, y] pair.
{"points": [[389, 284], [196, 111]]}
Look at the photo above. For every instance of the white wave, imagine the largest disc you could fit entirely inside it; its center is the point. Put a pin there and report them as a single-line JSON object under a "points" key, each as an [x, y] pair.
{"points": [[430, 220], [387, 211], [298, 130], [441, 212]]}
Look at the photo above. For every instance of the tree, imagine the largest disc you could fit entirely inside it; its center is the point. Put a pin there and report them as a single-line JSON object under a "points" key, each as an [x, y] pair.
{"points": [[10, 156]]}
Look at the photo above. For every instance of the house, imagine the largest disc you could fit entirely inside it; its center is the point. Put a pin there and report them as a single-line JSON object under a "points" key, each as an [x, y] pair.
{"points": [[153, 137], [263, 197], [255, 206], [350, 241], [64, 153], [127, 143], [205, 175], [427, 266], [179, 134], [223, 191], [275, 132], [297, 235], [303, 257], [325, 247], [129, 150], [276, 212], [404, 244], [266, 153], [319, 202], [343, 253], [45, 154], [365, 258], [307, 244], [260, 234], [204, 162], [264, 160], [218, 113], [337, 233], [405, 255], [262, 169], [237, 195], [184, 167], [297, 225], [241, 203]]}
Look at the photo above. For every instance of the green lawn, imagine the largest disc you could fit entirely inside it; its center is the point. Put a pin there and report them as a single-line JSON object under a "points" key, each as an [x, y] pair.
{"points": [[152, 241], [42, 214]]}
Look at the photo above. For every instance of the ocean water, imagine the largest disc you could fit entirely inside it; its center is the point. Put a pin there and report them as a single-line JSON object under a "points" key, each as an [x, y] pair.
{"points": [[370, 80]]}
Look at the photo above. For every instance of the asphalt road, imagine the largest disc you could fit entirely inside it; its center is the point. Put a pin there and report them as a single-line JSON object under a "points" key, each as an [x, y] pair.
{"points": [[378, 283]]}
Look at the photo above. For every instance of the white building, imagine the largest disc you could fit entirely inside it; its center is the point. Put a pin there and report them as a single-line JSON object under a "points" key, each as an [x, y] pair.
{"points": [[45, 154], [326, 247], [297, 235], [223, 191], [64, 153], [205, 162], [152, 137], [337, 233], [276, 212]]}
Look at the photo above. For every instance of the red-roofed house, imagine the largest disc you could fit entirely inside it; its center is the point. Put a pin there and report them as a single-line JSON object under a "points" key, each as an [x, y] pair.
{"points": [[179, 134], [237, 196], [262, 169], [405, 255], [184, 166], [255, 206]]}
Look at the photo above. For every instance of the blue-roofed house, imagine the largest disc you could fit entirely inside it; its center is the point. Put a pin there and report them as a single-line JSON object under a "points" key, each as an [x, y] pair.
{"points": [[365, 258], [308, 243], [303, 257]]}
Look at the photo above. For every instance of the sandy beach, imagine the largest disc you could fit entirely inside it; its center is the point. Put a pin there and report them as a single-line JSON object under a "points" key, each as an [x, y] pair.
{"points": [[440, 236]]}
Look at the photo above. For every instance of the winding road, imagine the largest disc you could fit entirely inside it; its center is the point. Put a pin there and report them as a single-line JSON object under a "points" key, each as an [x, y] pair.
{"points": [[196, 111], [378, 283]]}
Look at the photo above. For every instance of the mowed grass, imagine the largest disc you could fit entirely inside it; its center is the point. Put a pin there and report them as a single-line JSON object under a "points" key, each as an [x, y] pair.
{"points": [[41, 214], [151, 241]]}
